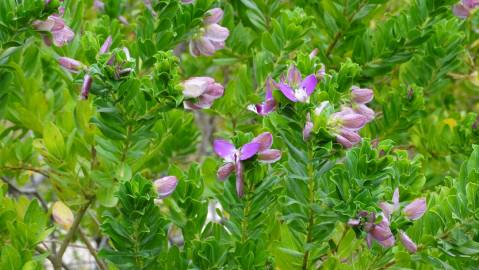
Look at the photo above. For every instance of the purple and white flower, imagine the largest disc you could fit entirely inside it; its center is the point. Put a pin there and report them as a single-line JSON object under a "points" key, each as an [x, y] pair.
{"points": [[201, 92], [295, 88], [464, 8], [55, 25], [233, 157]]}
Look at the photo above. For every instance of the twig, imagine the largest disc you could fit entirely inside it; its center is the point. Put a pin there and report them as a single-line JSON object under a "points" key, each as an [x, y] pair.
{"points": [[92, 250], [39, 171], [71, 233], [13, 189]]}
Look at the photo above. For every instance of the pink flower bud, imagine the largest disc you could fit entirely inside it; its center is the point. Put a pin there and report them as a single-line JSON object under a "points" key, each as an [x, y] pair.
{"points": [[85, 89], [313, 53], [70, 64], [265, 141], [186, 2], [165, 186], [225, 171], [196, 86], [415, 209], [269, 156], [106, 45], [351, 136], [407, 242], [353, 121], [343, 141], [308, 127], [354, 222], [213, 16], [362, 95]]}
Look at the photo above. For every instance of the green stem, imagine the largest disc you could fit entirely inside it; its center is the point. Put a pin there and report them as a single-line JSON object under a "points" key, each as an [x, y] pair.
{"points": [[311, 189]]}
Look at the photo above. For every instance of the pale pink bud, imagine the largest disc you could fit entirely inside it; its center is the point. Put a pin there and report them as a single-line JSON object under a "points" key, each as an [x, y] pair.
{"points": [[165, 186], [196, 86], [308, 127], [415, 209], [106, 45], [362, 95], [407, 242], [225, 171], [85, 89], [213, 16], [269, 156], [70, 64]]}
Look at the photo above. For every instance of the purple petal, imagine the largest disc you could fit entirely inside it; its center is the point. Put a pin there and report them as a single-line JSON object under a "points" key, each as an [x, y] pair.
{"points": [[249, 150], [216, 32], [387, 209], [365, 111], [287, 92], [269, 88], [353, 121], [106, 45], [70, 64], [407, 242], [215, 90], [354, 222], [225, 171], [224, 149], [461, 11], [63, 36], [362, 95], [381, 231], [194, 49], [415, 209], [313, 53], [239, 179], [309, 83], [265, 141], [269, 156], [165, 186], [196, 86], [205, 46], [294, 76], [351, 136], [387, 242], [343, 141]]}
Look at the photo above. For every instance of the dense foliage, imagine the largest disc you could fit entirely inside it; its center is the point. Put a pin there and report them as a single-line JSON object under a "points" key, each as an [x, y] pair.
{"points": [[239, 134]]}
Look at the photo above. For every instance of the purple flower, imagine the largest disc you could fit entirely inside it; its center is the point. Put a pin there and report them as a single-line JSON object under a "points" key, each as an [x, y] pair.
{"points": [[265, 153], [464, 8], [415, 209], [388, 208], [85, 89], [211, 37], [382, 233], [269, 103], [407, 242], [54, 24], [232, 156], [70, 64], [345, 125], [201, 92], [165, 186], [99, 4], [361, 95], [365, 111], [295, 88]]}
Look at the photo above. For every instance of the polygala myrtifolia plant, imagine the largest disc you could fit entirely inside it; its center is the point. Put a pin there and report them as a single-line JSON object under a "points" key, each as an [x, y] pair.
{"points": [[239, 134]]}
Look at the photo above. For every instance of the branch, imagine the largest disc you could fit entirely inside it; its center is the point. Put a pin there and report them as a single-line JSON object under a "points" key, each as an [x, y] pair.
{"points": [[92, 250], [13, 189], [21, 168], [71, 232]]}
